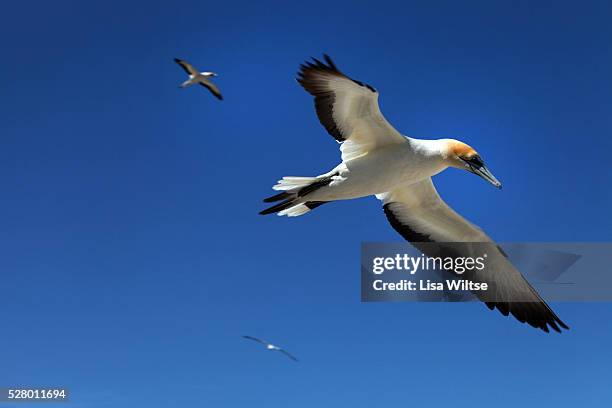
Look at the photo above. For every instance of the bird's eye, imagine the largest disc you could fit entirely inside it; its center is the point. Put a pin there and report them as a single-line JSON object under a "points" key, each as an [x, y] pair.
{"points": [[474, 161]]}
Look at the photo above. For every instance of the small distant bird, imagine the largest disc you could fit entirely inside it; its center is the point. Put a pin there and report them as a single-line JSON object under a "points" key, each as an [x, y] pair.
{"points": [[378, 160], [271, 346], [196, 77]]}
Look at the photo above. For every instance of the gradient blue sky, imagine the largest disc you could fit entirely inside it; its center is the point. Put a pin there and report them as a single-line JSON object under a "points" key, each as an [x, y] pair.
{"points": [[131, 252]]}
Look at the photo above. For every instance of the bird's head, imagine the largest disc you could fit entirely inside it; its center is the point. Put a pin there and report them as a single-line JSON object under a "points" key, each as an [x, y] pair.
{"points": [[463, 156]]}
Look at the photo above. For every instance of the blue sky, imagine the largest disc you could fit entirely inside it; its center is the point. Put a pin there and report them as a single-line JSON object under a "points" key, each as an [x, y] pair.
{"points": [[131, 251]]}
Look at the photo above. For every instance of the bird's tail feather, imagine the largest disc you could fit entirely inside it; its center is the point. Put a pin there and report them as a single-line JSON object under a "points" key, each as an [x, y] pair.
{"points": [[292, 183], [293, 192]]}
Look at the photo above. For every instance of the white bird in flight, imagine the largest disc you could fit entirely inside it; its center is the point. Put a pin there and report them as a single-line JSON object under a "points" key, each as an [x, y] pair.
{"points": [[196, 77], [378, 160], [270, 346]]}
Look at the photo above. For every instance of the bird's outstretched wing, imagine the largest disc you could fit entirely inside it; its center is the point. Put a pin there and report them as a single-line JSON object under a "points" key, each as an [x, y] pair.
{"points": [[213, 89], [255, 339], [285, 352], [189, 69], [419, 215], [348, 109]]}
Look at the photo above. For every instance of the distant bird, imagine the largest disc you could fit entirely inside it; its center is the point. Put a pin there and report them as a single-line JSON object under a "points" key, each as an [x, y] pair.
{"points": [[378, 160], [196, 77], [271, 346]]}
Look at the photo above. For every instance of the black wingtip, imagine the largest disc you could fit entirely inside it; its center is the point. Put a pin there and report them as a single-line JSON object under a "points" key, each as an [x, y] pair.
{"points": [[558, 322], [318, 62], [270, 210], [177, 60], [326, 65], [277, 197], [277, 207], [329, 61]]}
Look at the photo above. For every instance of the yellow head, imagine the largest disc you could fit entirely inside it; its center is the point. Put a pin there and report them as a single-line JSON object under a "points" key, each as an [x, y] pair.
{"points": [[463, 156]]}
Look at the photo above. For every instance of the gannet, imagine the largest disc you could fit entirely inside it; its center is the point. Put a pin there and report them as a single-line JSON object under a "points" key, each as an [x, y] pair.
{"points": [[270, 346], [378, 160], [197, 77]]}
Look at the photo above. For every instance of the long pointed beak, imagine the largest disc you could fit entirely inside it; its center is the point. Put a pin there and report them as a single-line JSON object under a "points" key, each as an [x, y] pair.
{"points": [[486, 174]]}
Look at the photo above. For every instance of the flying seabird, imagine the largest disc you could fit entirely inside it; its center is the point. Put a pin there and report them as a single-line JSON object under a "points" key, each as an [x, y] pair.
{"points": [[196, 77], [378, 160], [270, 346]]}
